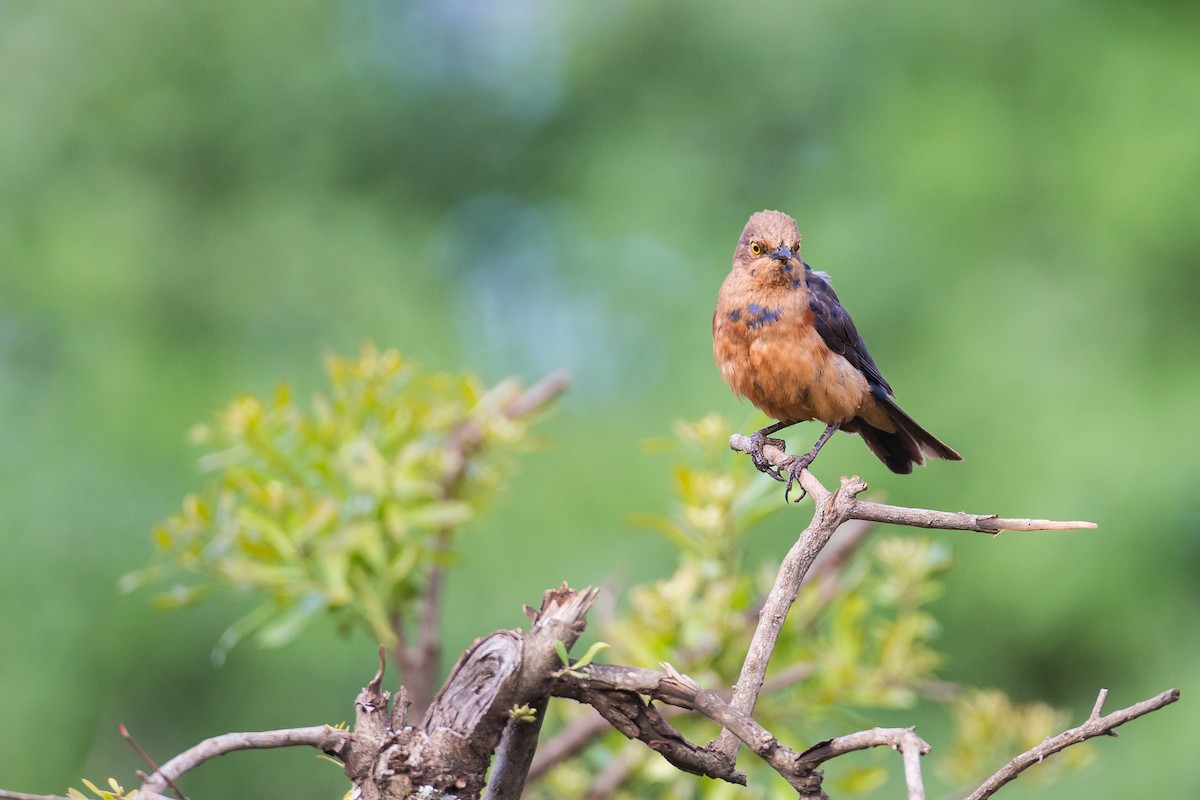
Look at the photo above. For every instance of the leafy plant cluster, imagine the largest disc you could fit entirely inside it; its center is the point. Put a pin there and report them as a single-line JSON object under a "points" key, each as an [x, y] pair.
{"points": [[346, 506]]}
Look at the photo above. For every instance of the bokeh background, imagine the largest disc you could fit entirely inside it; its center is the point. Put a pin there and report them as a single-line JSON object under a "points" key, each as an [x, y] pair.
{"points": [[198, 199]]}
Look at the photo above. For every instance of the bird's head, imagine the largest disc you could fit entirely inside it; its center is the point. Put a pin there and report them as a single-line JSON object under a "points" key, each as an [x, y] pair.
{"points": [[769, 248]]}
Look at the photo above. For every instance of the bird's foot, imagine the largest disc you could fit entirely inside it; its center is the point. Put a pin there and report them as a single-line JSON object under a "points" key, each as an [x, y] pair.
{"points": [[758, 441], [792, 468]]}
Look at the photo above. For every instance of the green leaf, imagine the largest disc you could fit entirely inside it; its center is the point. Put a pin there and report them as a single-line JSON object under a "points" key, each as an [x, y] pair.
{"points": [[235, 632], [178, 596], [591, 653], [370, 604], [287, 625]]}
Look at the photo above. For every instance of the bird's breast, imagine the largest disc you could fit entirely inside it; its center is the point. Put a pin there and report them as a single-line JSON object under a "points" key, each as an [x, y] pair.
{"points": [[769, 352]]}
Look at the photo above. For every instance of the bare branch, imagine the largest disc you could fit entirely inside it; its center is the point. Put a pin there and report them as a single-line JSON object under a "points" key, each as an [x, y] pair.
{"points": [[538, 396], [404, 654], [616, 692], [831, 510], [1095, 725], [916, 517], [427, 650], [789, 676], [7, 795], [821, 752], [912, 753], [323, 737], [958, 520], [911, 748]]}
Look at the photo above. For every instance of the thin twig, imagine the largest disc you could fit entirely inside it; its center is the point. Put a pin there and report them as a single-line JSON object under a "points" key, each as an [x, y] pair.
{"points": [[911, 751], [788, 676], [404, 653], [428, 647], [539, 395], [323, 737], [821, 752], [1095, 725], [127, 736], [959, 520]]}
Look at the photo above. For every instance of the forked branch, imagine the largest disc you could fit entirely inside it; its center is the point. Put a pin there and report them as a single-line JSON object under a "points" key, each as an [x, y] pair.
{"points": [[913, 517], [831, 510], [605, 686], [1095, 725]]}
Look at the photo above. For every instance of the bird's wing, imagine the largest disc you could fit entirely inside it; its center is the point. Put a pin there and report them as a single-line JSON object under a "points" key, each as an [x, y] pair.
{"points": [[837, 329]]}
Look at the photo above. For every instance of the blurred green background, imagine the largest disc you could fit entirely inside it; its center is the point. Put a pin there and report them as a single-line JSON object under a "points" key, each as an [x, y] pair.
{"points": [[200, 199]]}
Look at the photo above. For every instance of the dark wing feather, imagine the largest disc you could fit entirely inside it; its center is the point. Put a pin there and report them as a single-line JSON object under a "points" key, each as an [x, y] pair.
{"points": [[837, 329]]}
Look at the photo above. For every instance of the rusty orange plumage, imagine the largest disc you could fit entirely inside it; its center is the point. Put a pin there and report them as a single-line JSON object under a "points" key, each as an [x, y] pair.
{"points": [[782, 339]]}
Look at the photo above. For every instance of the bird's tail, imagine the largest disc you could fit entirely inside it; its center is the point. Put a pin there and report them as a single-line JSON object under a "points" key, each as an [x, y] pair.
{"points": [[906, 446]]}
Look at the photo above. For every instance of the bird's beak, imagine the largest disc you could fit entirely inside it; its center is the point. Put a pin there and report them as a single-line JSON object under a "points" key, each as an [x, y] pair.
{"points": [[781, 253]]}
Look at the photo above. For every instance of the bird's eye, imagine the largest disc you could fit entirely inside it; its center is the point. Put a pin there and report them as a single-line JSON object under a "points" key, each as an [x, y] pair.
{"points": [[756, 248], [796, 248]]}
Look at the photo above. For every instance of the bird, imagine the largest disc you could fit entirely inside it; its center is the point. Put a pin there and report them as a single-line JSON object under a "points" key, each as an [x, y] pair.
{"points": [[783, 340]]}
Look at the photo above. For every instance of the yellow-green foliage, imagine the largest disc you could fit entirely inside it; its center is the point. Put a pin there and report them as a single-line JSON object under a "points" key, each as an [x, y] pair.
{"points": [[991, 729], [114, 792], [344, 506]]}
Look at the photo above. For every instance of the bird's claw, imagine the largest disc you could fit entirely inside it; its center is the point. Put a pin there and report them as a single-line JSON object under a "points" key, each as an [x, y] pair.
{"points": [[792, 467], [757, 442]]}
